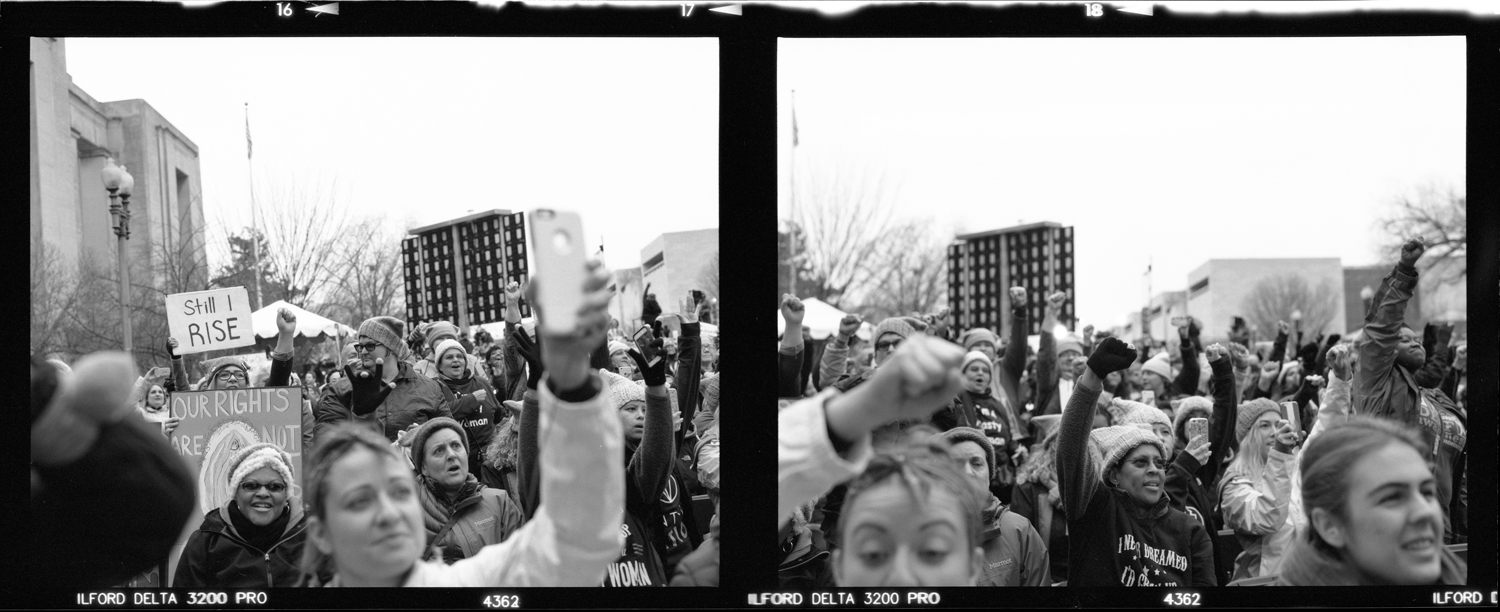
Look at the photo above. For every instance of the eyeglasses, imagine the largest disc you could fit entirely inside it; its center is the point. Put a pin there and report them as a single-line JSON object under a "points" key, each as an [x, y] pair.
{"points": [[887, 345], [366, 346], [227, 376], [250, 486], [1143, 463]]}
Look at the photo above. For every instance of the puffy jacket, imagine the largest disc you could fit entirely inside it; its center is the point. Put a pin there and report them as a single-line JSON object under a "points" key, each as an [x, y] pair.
{"points": [[415, 399], [484, 516], [216, 556], [1260, 513]]}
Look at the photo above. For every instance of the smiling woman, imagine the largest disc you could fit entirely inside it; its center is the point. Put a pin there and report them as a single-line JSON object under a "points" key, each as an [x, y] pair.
{"points": [[255, 539]]}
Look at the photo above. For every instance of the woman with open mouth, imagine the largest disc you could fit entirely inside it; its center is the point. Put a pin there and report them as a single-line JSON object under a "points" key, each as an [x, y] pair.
{"points": [[461, 514], [473, 401], [254, 540], [1123, 530]]}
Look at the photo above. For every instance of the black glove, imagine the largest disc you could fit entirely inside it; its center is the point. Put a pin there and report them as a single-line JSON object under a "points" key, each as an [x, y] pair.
{"points": [[650, 309], [368, 390], [1111, 355], [531, 351], [170, 353], [654, 375]]}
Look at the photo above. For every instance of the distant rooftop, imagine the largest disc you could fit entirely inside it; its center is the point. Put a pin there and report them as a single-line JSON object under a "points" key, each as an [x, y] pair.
{"points": [[1010, 230]]}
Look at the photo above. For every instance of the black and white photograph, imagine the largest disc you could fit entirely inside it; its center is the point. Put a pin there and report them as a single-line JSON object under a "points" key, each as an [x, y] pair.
{"points": [[1117, 312], [374, 312]]}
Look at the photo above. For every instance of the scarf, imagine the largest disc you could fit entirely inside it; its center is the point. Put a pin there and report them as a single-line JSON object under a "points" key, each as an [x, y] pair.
{"points": [[258, 537]]}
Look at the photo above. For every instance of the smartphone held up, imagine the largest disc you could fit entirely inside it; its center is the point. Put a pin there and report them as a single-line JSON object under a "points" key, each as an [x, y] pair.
{"points": [[557, 243]]}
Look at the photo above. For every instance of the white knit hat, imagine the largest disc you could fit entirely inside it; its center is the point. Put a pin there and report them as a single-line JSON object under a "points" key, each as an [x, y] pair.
{"points": [[973, 356], [1118, 441], [621, 390], [1160, 364], [257, 456], [1127, 412]]}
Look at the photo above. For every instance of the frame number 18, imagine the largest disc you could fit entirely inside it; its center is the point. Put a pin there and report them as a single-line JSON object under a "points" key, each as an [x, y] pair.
{"points": [[1093, 9]]}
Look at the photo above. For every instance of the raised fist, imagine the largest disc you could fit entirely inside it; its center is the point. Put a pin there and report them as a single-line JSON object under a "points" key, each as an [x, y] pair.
{"points": [[1270, 369], [849, 325], [1017, 296], [286, 321], [792, 311], [512, 292], [1314, 380], [1283, 327], [919, 378], [1112, 355], [1339, 361], [1216, 352], [1412, 250], [1055, 301], [1239, 354]]}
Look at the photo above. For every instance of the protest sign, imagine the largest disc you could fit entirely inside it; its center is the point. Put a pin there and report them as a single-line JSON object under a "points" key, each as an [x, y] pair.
{"points": [[210, 320], [218, 423]]}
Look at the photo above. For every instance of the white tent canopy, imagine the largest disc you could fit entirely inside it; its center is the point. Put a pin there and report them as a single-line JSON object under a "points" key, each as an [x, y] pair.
{"points": [[309, 325], [823, 319]]}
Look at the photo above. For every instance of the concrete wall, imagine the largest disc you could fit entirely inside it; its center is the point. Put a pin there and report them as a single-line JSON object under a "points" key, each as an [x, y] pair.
{"points": [[72, 134], [1232, 281], [684, 256]]}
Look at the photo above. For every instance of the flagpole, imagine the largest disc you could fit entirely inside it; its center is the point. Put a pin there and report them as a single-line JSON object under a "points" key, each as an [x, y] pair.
{"points": [[254, 222]]}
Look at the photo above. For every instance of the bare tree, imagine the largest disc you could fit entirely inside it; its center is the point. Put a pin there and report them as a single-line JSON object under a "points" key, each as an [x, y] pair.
{"points": [[846, 218], [915, 278], [368, 278], [55, 291], [1439, 215], [302, 222], [1273, 299], [708, 277], [176, 266]]}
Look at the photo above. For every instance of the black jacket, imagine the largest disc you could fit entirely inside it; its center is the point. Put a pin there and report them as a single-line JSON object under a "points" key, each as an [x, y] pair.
{"points": [[217, 557]]}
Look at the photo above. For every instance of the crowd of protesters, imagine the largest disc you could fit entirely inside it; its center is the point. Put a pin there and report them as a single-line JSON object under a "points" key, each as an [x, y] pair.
{"points": [[932, 456], [431, 459]]}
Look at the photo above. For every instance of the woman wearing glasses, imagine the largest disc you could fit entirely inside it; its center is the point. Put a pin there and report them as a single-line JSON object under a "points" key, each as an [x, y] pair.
{"points": [[254, 540], [380, 388], [1122, 530]]}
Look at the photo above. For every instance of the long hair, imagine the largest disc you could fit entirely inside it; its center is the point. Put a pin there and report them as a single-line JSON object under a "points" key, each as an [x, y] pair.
{"points": [[1328, 459], [332, 446], [920, 466], [1250, 460]]}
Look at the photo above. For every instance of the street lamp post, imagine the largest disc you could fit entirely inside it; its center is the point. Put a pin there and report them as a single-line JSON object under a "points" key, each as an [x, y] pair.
{"points": [[120, 184]]}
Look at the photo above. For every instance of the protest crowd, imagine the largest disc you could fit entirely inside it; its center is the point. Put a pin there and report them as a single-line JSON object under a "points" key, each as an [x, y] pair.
{"points": [[932, 456], [428, 458]]}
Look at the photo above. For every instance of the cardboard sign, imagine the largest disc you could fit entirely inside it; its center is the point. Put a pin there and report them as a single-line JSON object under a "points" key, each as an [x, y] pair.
{"points": [[218, 423], [210, 320]]}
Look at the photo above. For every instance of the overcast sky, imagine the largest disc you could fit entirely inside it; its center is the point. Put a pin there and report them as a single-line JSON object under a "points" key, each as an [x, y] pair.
{"points": [[1171, 151], [422, 130]]}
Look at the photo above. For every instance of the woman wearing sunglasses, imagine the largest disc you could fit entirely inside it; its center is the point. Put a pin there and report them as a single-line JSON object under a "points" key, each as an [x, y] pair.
{"points": [[254, 540], [380, 389]]}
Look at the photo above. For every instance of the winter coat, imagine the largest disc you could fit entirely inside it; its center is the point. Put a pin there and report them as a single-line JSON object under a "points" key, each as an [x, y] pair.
{"points": [[1112, 541], [1305, 565], [1014, 555], [572, 537], [1443, 426], [807, 465], [1192, 487], [1031, 501], [789, 371], [1259, 512], [701, 567], [217, 556], [481, 516], [982, 412], [478, 417], [1384, 388], [415, 399]]}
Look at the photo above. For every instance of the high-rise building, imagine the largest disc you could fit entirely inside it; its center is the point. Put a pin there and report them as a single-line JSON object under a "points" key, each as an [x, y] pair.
{"points": [[457, 270], [982, 267]]}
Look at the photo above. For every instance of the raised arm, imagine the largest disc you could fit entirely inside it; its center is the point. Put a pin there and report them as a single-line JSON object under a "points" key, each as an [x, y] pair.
{"points": [[653, 458], [179, 370], [836, 353], [791, 351], [1226, 412], [1077, 476], [1187, 378], [1014, 359], [1377, 355], [1047, 374]]}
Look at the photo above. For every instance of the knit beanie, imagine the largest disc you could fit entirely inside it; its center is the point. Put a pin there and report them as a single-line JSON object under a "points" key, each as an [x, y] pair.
{"points": [[1192, 406], [622, 390], [425, 431], [387, 331], [438, 329], [1070, 342], [969, 434], [1251, 410], [980, 334], [1118, 441], [1127, 412], [214, 365], [615, 346], [974, 356], [1160, 364], [901, 326], [257, 456], [447, 345]]}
